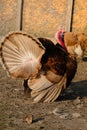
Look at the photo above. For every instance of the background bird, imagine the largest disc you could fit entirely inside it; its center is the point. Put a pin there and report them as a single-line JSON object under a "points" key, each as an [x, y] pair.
{"points": [[47, 68], [76, 43]]}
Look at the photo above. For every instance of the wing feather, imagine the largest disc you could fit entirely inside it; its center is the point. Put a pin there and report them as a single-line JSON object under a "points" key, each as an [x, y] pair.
{"points": [[46, 91]]}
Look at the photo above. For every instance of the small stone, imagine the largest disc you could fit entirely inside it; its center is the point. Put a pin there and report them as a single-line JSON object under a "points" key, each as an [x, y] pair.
{"points": [[55, 111], [60, 114], [79, 106], [28, 119], [76, 115], [64, 115], [77, 101]]}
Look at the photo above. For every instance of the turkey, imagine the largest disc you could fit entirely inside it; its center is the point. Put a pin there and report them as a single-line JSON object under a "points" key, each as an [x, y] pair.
{"points": [[46, 68], [76, 42]]}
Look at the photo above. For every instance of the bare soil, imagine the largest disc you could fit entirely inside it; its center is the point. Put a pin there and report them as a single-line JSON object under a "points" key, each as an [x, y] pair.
{"points": [[69, 112]]}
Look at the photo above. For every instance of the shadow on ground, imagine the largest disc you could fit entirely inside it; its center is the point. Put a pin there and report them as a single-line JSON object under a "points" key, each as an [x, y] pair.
{"points": [[76, 89]]}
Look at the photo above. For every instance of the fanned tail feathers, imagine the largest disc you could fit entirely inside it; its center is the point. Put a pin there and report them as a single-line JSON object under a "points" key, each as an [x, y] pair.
{"points": [[21, 55]]}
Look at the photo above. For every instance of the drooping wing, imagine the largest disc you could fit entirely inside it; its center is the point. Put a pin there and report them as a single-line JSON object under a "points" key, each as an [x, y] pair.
{"points": [[46, 89], [21, 55]]}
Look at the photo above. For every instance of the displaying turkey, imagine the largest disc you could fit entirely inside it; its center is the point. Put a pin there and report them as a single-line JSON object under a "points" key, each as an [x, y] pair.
{"points": [[47, 68]]}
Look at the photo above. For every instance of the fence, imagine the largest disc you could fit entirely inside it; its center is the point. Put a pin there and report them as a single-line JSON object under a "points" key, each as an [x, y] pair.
{"points": [[42, 17]]}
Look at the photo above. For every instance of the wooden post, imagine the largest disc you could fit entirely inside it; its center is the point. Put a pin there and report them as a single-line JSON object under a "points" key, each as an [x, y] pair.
{"points": [[21, 21], [20, 13], [69, 14]]}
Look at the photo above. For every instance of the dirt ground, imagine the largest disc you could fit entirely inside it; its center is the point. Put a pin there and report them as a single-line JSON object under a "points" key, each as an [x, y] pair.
{"points": [[69, 112]]}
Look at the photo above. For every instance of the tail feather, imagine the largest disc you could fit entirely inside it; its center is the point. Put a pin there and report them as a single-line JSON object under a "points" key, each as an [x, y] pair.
{"points": [[21, 55]]}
